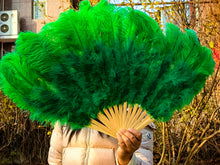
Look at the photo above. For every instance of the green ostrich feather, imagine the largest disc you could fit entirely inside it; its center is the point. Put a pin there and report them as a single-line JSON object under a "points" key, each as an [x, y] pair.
{"points": [[102, 56]]}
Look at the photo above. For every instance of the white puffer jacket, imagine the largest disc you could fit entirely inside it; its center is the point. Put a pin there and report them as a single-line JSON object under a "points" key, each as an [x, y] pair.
{"points": [[89, 148]]}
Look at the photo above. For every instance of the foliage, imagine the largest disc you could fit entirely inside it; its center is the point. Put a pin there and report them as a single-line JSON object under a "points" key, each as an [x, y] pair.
{"points": [[192, 137], [21, 140]]}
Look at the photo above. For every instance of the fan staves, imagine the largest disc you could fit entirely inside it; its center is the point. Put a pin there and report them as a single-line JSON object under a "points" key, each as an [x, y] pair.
{"points": [[121, 117]]}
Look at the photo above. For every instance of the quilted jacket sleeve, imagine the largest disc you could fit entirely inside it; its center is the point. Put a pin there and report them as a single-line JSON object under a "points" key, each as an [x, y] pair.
{"points": [[56, 146], [144, 155]]}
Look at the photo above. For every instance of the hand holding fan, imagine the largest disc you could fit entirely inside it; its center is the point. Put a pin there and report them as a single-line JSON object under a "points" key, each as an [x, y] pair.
{"points": [[101, 65]]}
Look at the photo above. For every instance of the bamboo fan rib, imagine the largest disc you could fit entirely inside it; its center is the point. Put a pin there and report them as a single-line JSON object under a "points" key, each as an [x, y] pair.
{"points": [[121, 117]]}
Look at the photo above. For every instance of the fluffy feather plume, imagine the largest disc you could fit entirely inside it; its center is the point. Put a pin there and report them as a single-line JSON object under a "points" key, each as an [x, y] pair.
{"points": [[103, 56]]}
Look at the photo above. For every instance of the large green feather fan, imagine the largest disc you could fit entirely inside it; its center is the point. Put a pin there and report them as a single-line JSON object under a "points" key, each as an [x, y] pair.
{"points": [[103, 56]]}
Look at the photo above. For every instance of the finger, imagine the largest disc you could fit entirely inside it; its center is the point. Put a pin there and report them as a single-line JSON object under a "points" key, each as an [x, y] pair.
{"points": [[131, 137], [137, 133], [120, 140], [127, 142]]}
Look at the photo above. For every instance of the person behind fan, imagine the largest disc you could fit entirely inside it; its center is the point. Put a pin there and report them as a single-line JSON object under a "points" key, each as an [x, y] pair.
{"points": [[88, 146]]}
